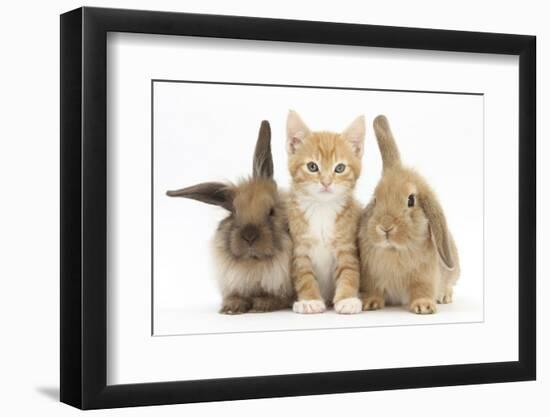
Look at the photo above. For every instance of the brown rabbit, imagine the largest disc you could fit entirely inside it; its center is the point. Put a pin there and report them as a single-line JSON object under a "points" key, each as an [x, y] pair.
{"points": [[408, 256], [252, 246]]}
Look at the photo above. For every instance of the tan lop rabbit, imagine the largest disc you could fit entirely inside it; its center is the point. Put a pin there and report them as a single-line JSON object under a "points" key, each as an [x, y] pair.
{"points": [[408, 256], [252, 246]]}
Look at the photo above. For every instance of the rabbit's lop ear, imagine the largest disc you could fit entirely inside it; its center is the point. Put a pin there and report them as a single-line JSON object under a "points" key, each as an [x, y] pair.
{"points": [[438, 227], [215, 193], [296, 132], [263, 161], [386, 143]]}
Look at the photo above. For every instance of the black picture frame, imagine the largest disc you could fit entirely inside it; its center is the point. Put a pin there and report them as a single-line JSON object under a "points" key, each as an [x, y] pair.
{"points": [[84, 210]]}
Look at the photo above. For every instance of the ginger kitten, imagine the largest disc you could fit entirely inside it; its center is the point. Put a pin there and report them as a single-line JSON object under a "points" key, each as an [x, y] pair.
{"points": [[324, 216]]}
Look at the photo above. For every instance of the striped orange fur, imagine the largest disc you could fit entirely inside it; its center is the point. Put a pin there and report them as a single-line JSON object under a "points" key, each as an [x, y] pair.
{"points": [[323, 215]]}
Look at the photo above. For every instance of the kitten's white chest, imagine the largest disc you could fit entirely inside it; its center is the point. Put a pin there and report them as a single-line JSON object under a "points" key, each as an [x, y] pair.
{"points": [[321, 218]]}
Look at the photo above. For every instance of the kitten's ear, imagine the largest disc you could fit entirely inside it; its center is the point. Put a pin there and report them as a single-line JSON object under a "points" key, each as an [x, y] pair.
{"points": [[355, 135], [215, 193], [296, 132]]}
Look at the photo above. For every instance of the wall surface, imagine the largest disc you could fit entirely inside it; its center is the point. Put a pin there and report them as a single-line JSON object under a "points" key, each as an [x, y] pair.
{"points": [[29, 212]]}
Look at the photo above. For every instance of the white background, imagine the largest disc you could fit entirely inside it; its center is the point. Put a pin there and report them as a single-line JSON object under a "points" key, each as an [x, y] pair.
{"points": [[207, 132], [30, 265]]}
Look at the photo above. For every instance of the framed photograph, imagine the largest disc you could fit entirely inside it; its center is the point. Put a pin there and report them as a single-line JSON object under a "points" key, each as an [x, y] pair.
{"points": [[257, 208]]}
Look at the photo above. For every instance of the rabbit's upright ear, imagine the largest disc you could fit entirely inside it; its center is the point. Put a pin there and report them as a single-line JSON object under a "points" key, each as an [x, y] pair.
{"points": [[263, 161], [215, 193], [386, 143], [438, 227]]}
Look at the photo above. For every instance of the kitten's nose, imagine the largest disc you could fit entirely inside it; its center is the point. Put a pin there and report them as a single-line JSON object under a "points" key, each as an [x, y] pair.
{"points": [[326, 182], [250, 233]]}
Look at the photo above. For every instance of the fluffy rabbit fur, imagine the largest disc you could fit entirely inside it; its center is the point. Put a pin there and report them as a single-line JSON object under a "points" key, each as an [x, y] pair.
{"points": [[408, 255], [252, 247]]}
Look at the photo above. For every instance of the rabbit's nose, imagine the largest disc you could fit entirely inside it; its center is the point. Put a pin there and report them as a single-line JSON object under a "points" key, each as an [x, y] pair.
{"points": [[250, 233], [386, 224], [386, 229]]}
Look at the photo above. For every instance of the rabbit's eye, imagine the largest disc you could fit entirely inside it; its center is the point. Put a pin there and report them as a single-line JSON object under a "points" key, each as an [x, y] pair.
{"points": [[340, 168], [411, 200], [312, 166], [272, 212]]}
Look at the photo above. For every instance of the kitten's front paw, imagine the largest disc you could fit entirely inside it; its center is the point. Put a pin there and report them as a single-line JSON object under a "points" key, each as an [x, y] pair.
{"points": [[423, 306], [350, 305], [309, 306], [235, 306], [373, 302]]}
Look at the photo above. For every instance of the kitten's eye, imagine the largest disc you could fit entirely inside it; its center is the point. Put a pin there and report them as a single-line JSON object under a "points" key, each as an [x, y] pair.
{"points": [[410, 202], [272, 212], [340, 168], [312, 166]]}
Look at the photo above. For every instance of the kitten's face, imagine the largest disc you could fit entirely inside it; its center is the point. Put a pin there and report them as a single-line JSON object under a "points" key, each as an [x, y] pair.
{"points": [[324, 165]]}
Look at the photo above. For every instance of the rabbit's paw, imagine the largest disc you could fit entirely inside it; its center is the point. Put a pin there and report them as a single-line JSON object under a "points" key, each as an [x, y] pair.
{"points": [[265, 304], [446, 297], [235, 305], [423, 306], [373, 302], [350, 305], [309, 306]]}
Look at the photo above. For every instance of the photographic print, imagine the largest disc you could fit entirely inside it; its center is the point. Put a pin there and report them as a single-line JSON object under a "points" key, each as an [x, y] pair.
{"points": [[306, 207], [339, 207]]}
